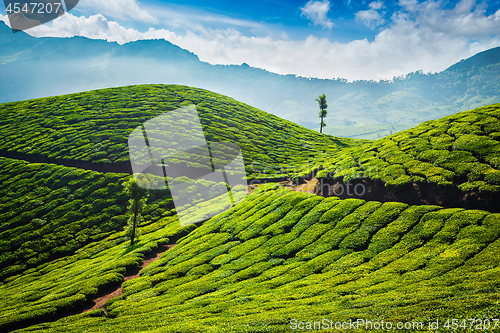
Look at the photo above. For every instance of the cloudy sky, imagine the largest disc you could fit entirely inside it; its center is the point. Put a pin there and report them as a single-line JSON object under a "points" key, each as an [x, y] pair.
{"points": [[325, 39]]}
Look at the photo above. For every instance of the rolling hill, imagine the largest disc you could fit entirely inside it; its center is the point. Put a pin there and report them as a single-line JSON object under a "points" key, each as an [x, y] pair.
{"points": [[279, 257], [276, 257], [453, 162], [91, 129]]}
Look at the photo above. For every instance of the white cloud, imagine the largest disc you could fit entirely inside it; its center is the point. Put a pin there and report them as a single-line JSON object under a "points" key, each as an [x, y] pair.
{"points": [[456, 23], [316, 11], [420, 36], [465, 6], [197, 20], [5, 19], [371, 17], [376, 5], [124, 9], [95, 27]]}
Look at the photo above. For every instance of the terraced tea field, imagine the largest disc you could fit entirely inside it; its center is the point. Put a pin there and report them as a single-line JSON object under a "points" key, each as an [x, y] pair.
{"points": [[463, 147], [285, 255], [459, 155], [278, 257], [91, 129]]}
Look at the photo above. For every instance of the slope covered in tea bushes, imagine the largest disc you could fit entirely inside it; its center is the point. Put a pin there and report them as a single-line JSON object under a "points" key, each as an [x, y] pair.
{"points": [[278, 255], [459, 152], [60, 287], [464, 147], [92, 127], [282, 255], [48, 211]]}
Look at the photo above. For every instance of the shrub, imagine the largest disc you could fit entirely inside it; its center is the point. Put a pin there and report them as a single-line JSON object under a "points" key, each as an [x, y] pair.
{"points": [[493, 177], [383, 215]]}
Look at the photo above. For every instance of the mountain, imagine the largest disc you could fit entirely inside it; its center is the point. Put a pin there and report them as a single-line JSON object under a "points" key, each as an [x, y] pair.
{"points": [[482, 59], [40, 67]]}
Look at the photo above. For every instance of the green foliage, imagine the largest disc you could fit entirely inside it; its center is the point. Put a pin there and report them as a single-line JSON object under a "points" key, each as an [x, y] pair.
{"points": [[76, 127], [136, 190], [342, 258], [275, 256], [60, 286], [48, 211], [322, 110], [457, 150]]}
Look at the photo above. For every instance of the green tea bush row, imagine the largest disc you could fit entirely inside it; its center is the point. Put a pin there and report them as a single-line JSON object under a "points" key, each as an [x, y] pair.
{"points": [[330, 258], [68, 284], [51, 210], [461, 150], [74, 127], [346, 257]]}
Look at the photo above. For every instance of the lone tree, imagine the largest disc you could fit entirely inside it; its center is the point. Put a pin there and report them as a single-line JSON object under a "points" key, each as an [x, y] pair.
{"points": [[322, 113], [138, 196]]}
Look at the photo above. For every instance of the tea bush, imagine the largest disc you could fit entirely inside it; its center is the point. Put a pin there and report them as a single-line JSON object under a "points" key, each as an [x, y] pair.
{"points": [[456, 150], [74, 127]]}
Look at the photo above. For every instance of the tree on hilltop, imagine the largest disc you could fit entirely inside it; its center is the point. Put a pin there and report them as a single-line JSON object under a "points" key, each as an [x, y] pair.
{"points": [[322, 113]]}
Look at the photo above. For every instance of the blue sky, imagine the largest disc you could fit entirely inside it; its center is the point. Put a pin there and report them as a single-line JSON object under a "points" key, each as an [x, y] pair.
{"points": [[284, 16], [317, 38]]}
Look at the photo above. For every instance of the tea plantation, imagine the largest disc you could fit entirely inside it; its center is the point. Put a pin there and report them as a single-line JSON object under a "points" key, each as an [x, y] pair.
{"points": [[94, 126], [282, 255], [461, 150], [463, 147], [60, 249], [49, 211], [277, 256]]}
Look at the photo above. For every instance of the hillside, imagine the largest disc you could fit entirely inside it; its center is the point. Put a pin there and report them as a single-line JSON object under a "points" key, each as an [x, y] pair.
{"points": [[453, 161], [50, 211], [279, 256], [91, 129], [40, 67]]}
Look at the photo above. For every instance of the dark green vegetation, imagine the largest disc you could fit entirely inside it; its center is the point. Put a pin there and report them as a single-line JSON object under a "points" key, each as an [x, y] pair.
{"points": [[48, 211], [462, 151], [138, 197], [276, 256], [63, 286], [94, 127], [39, 67], [282, 255]]}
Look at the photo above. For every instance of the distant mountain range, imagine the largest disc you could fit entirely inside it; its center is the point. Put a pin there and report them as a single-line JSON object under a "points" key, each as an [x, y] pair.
{"points": [[37, 67]]}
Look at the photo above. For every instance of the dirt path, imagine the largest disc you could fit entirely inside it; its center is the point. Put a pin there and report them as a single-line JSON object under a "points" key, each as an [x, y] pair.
{"points": [[99, 302], [310, 186]]}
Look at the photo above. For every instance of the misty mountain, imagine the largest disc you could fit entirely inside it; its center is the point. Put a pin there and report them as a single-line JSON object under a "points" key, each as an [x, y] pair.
{"points": [[37, 67]]}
